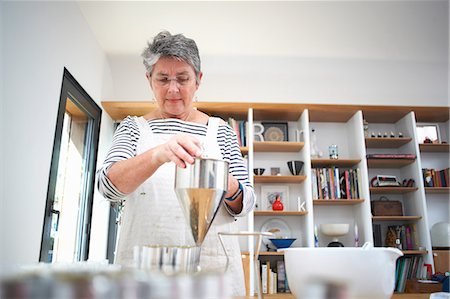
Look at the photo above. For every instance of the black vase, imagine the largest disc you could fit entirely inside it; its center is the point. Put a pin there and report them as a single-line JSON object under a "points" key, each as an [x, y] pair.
{"points": [[295, 167]]}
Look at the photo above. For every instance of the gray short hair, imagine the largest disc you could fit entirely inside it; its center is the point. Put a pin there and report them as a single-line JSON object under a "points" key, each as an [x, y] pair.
{"points": [[177, 46]]}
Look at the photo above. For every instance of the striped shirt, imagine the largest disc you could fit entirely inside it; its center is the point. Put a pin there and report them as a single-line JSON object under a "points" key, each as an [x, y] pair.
{"points": [[127, 136]]}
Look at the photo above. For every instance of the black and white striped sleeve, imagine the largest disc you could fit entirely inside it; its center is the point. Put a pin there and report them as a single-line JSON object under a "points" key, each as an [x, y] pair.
{"points": [[123, 147], [231, 152]]}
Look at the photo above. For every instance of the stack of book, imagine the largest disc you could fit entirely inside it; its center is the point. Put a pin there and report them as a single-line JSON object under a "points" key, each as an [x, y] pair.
{"points": [[410, 267], [331, 183], [240, 128], [273, 278], [406, 236], [435, 178]]}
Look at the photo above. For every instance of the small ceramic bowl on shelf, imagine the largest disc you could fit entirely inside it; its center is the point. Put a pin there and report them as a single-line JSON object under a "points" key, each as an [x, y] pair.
{"points": [[334, 229], [258, 171], [280, 243]]}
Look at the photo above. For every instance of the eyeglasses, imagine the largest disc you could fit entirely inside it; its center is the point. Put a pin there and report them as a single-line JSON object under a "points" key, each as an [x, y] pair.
{"points": [[181, 80]]}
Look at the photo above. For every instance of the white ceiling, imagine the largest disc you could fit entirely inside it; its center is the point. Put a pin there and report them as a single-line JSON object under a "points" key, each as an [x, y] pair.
{"points": [[397, 30]]}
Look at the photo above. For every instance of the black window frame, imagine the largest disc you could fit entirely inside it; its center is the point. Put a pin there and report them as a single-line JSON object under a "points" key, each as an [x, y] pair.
{"points": [[85, 103]]}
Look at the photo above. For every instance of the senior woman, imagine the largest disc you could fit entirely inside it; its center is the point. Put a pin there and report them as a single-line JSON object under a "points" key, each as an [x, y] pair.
{"points": [[140, 166]]}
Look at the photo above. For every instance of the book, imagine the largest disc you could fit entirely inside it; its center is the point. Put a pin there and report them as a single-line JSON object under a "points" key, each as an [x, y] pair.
{"points": [[323, 184], [337, 183], [377, 239], [319, 183], [331, 184], [272, 283], [264, 278], [315, 193], [269, 277], [408, 235], [281, 277], [275, 282], [427, 177]]}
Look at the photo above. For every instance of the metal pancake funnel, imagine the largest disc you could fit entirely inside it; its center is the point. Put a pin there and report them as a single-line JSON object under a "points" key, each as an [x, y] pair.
{"points": [[200, 188]]}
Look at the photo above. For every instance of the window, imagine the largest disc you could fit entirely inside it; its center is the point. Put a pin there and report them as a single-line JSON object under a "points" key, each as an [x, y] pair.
{"points": [[68, 211]]}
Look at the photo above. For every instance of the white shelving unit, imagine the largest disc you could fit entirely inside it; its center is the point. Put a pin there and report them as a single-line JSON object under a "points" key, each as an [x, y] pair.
{"points": [[436, 156], [413, 202], [341, 125]]}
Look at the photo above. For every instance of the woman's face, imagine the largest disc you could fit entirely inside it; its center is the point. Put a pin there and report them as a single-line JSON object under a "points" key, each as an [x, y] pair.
{"points": [[174, 86]]}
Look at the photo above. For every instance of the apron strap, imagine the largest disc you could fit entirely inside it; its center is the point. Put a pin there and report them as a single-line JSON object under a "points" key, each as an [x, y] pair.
{"points": [[211, 148]]}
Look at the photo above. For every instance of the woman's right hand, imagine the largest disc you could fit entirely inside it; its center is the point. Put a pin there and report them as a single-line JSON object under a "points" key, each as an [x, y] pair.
{"points": [[180, 149]]}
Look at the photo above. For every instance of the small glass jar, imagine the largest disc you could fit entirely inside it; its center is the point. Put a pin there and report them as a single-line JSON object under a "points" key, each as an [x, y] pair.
{"points": [[333, 151], [366, 128]]}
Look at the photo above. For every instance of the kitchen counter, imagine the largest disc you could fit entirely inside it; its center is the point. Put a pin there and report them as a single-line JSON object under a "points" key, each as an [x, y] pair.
{"points": [[395, 296]]}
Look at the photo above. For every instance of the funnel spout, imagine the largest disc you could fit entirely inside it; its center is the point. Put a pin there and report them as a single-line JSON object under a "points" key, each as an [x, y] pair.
{"points": [[200, 189]]}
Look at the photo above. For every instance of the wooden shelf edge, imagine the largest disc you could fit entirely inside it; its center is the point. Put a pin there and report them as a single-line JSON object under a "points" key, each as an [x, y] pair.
{"points": [[437, 190], [337, 201], [434, 148], [414, 252], [392, 190], [277, 253], [280, 213], [395, 218], [244, 150], [288, 111], [276, 296], [281, 253], [386, 142], [334, 162], [277, 146], [279, 179]]}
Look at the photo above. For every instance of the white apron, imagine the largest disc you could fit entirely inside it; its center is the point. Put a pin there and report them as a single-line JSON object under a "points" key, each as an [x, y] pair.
{"points": [[152, 215]]}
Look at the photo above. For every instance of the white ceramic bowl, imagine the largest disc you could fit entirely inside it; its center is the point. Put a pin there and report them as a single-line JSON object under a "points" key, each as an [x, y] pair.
{"points": [[334, 229], [365, 272]]}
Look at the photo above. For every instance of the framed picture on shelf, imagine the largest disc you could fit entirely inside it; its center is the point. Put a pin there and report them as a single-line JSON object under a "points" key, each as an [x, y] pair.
{"points": [[275, 171], [269, 194], [275, 131], [428, 133]]}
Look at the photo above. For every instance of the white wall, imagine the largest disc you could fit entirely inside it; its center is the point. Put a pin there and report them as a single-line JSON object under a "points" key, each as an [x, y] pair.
{"points": [[2, 167], [349, 52], [39, 39]]}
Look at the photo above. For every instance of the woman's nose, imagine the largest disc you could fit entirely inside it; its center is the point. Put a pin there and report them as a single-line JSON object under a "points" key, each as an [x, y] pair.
{"points": [[173, 86]]}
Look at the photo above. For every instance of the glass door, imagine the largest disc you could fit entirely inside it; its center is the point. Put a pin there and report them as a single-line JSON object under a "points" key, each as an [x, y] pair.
{"points": [[69, 199]]}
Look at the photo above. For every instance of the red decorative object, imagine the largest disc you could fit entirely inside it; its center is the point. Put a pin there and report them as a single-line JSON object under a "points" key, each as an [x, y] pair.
{"points": [[277, 205]]}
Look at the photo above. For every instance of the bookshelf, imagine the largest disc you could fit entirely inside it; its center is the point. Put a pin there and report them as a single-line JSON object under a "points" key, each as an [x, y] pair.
{"points": [[341, 125], [435, 156], [410, 231]]}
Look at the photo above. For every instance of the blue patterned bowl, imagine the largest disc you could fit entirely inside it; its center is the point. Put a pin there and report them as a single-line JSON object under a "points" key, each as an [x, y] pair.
{"points": [[282, 243]]}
